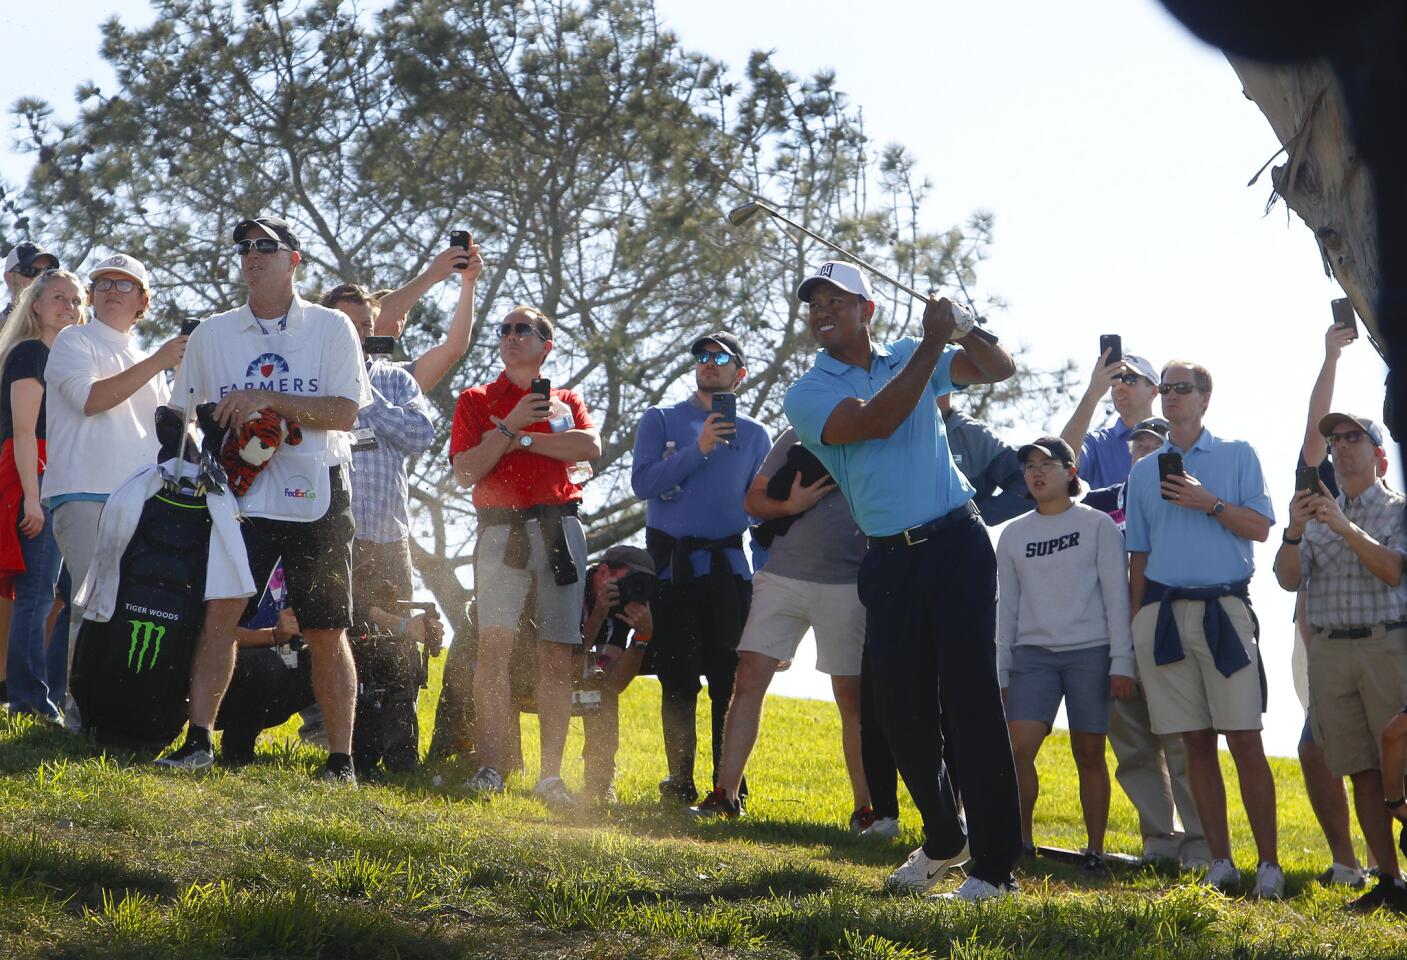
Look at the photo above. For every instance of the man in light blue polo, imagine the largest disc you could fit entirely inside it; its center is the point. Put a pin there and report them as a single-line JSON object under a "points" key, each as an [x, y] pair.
{"points": [[1190, 537], [928, 580]]}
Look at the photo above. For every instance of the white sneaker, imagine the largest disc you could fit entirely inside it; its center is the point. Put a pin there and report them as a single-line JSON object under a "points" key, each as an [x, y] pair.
{"points": [[884, 828], [554, 794], [920, 872], [487, 781], [1222, 875], [1270, 882], [974, 889], [1341, 875]]}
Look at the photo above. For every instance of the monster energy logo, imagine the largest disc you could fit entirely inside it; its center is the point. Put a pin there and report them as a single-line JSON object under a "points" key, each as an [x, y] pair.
{"points": [[150, 635]]}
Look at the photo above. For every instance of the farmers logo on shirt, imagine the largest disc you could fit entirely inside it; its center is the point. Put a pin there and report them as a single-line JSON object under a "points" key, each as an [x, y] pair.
{"points": [[266, 365], [269, 371]]}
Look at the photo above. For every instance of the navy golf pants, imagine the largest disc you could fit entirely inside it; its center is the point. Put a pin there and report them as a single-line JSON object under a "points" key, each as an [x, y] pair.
{"points": [[930, 653]]}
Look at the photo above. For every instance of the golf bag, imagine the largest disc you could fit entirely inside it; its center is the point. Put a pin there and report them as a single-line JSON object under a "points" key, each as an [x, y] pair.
{"points": [[131, 675]]}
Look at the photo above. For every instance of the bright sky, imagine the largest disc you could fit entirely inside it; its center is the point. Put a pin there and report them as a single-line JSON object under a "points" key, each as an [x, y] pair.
{"points": [[1114, 150]]}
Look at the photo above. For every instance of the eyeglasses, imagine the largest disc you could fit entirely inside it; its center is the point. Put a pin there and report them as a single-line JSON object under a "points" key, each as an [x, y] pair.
{"points": [[1031, 466], [103, 284], [1348, 436], [1181, 388], [717, 357], [519, 329], [1128, 379], [262, 245]]}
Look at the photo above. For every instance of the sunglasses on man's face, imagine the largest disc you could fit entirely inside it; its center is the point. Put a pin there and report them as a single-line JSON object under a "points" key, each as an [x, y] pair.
{"points": [[31, 271], [719, 357], [104, 284], [1348, 436], [262, 245], [519, 329], [1128, 379], [1181, 388]]}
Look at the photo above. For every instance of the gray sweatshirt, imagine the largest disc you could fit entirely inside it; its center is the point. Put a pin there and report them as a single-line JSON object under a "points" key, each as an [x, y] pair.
{"points": [[1064, 585]]}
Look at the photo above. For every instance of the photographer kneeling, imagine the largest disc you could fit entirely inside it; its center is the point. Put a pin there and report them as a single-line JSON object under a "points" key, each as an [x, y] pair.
{"points": [[618, 594]]}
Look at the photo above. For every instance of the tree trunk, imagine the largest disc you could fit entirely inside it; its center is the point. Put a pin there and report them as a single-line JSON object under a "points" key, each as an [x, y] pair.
{"points": [[1322, 178]]}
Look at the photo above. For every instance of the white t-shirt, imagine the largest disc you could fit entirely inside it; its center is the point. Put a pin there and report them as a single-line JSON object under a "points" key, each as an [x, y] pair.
{"points": [[94, 454], [313, 352]]}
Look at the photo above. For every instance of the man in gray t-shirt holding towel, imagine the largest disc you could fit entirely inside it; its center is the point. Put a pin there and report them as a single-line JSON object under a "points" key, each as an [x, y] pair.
{"points": [[807, 583]]}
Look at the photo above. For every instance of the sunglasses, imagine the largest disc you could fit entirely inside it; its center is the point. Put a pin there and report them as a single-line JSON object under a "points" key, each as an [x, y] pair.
{"points": [[31, 271], [262, 245], [718, 357], [519, 329], [1128, 379], [1181, 388], [1348, 436], [103, 284]]}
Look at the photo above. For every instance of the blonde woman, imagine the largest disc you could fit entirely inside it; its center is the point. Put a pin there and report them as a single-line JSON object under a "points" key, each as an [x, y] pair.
{"points": [[29, 557]]}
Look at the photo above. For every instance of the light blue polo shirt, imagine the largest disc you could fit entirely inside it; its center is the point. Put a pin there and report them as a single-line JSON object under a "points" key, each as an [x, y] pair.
{"points": [[892, 484], [1186, 548]]}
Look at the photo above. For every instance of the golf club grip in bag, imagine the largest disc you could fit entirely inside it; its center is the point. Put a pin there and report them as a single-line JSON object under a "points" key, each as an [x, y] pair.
{"points": [[132, 674]]}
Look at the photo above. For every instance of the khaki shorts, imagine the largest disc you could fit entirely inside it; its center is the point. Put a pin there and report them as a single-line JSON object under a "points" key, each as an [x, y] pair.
{"points": [[1355, 688], [783, 609], [1192, 694]]}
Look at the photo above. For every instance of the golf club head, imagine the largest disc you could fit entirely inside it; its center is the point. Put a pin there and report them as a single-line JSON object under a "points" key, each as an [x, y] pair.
{"points": [[744, 212]]}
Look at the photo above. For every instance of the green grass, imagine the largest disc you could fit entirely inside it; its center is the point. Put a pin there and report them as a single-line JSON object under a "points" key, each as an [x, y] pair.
{"points": [[105, 860]]}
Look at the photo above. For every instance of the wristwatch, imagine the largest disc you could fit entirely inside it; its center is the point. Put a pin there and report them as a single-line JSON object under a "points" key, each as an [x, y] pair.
{"points": [[1292, 541], [525, 440], [1394, 804], [1217, 508]]}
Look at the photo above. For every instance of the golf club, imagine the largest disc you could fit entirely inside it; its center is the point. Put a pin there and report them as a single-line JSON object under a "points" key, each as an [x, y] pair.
{"points": [[742, 213]]}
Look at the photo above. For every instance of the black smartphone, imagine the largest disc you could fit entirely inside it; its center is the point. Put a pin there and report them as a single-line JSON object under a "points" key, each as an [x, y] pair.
{"points": [[379, 345], [188, 326], [459, 238], [541, 386], [1307, 478], [727, 405], [1169, 464], [1115, 345], [1344, 315]]}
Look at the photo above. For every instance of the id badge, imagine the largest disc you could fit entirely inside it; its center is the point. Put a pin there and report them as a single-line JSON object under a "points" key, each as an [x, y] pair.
{"points": [[363, 439]]}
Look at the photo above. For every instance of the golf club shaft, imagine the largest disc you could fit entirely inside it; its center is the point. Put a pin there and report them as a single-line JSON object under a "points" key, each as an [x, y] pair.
{"points": [[841, 250]]}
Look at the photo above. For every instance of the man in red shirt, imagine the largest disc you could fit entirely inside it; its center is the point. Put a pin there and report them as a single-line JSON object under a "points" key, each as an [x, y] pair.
{"points": [[513, 447]]}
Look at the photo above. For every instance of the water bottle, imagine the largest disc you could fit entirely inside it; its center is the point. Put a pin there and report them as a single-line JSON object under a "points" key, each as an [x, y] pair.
{"points": [[580, 472], [674, 492]]}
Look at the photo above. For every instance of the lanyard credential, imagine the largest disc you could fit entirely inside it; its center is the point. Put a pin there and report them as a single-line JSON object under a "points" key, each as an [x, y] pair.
{"points": [[280, 325]]}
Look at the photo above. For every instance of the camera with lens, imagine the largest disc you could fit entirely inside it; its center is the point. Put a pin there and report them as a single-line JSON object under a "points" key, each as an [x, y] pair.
{"points": [[635, 587]]}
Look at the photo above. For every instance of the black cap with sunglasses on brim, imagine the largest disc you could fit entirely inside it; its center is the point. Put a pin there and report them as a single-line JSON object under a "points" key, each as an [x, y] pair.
{"points": [[275, 226], [724, 341], [1331, 424], [24, 259]]}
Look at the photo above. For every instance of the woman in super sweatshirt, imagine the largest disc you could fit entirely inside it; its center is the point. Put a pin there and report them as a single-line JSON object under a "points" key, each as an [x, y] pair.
{"points": [[1062, 631]]}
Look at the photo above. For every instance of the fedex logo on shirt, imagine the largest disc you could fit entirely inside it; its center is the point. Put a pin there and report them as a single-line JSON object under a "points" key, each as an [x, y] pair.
{"points": [[268, 371]]}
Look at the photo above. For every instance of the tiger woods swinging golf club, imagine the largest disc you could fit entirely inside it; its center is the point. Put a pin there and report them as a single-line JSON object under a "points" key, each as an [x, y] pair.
{"points": [[928, 580]]}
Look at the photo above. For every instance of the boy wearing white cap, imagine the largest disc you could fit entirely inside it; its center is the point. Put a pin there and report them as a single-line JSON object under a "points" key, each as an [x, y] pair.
{"points": [[104, 391]]}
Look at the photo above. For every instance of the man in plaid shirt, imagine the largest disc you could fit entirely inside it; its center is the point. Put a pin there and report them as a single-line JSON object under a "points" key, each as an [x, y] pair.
{"points": [[1347, 554], [395, 427]]}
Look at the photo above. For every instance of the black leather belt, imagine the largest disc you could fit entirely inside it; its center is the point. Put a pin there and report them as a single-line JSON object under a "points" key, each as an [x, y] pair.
{"points": [[913, 536], [1358, 633]]}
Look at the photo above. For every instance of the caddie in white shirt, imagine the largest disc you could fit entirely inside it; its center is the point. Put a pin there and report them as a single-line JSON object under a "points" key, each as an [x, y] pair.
{"points": [[304, 362]]}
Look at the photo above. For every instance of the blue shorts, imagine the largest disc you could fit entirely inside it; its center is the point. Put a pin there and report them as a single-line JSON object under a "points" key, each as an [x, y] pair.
{"points": [[1040, 677]]}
